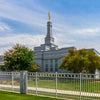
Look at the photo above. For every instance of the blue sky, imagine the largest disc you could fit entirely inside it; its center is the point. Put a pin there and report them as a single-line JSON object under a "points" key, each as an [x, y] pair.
{"points": [[75, 23]]}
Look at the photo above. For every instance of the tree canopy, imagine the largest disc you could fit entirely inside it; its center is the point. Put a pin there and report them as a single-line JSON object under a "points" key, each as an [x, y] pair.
{"points": [[82, 60], [20, 58]]}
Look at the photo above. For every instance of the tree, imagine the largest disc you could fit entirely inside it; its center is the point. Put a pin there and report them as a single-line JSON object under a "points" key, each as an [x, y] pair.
{"points": [[34, 68], [19, 58], [81, 61]]}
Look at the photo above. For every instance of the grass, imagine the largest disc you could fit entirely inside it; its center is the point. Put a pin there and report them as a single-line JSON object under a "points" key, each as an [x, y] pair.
{"points": [[67, 96], [73, 85], [89, 85], [15, 96]]}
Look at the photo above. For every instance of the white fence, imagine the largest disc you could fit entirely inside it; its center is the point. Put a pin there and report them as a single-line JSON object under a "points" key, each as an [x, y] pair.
{"points": [[70, 85]]}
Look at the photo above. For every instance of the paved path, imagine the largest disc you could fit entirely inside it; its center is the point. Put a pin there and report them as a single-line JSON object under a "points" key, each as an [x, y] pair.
{"points": [[58, 91]]}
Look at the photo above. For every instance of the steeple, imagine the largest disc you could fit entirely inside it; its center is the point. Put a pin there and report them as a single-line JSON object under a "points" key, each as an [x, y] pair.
{"points": [[49, 38]]}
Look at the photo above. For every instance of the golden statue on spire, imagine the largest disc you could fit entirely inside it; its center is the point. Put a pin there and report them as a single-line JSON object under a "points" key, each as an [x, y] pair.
{"points": [[49, 15]]}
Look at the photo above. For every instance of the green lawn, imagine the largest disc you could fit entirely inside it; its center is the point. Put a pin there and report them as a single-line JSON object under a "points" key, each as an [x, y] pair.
{"points": [[86, 86], [14, 96], [73, 85]]}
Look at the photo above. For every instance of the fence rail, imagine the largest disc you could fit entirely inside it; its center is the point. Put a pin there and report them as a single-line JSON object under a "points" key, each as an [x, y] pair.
{"points": [[71, 85]]}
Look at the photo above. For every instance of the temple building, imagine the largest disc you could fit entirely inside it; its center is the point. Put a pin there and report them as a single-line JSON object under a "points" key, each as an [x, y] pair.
{"points": [[49, 56]]}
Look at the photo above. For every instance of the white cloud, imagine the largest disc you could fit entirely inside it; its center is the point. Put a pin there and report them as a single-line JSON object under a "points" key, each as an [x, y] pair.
{"points": [[35, 40], [21, 14], [3, 49], [25, 39], [4, 27], [22, 39], [88, 31], [62, 40], [31, 41]]}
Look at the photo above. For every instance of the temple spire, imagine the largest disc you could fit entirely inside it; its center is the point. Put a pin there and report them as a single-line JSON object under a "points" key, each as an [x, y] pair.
{"points": [[49, 38]]}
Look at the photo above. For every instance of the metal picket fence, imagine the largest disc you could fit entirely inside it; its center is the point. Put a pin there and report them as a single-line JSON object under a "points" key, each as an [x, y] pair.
{"points": [[70, 85], [75, 86], [10, 81]]}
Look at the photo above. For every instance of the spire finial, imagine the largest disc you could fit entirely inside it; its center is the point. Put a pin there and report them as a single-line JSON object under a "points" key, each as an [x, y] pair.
{"points": [[49, 15]]}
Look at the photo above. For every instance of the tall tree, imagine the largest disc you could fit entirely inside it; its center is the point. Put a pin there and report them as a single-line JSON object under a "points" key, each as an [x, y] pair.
{"points": [[19, 58], [81, 61]]}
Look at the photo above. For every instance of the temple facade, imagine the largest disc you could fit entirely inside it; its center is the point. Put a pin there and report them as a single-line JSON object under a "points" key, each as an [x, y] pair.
{"points": [[49, 56]]}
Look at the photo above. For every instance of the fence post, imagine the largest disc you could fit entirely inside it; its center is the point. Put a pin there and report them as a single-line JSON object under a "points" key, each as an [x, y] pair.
{"points": [[23, 82], [56, 84], [12, 81], [80, 85], [36, 83]]}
